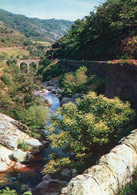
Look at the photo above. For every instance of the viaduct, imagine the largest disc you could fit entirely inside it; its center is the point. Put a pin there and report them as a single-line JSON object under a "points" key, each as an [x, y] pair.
{"points": [[28, 62]]}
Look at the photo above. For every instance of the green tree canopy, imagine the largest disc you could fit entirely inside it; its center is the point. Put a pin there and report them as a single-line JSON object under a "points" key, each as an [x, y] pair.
{"points": [[99, 35], [91, 126]]}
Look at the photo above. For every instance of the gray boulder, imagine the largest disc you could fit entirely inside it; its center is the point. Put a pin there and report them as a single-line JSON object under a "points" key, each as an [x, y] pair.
{"points": [[65, 100], [20, 156]]}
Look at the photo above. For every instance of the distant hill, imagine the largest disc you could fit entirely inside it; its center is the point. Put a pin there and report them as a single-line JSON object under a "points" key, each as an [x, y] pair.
{"points": [[38, 29]]}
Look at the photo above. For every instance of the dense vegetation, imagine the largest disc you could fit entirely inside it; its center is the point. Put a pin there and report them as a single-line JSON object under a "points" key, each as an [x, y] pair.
{"points": [[44, 30], [81, 81], [17, 98], [108, 33], [10, 38], [87, 130], [131, 187], [8, 191]]}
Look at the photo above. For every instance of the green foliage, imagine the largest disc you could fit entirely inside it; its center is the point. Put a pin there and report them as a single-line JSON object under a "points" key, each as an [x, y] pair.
{"points": [[20, 102], [7, 191], [9, 38], [34, 117], [129, 47], [56, 165], [90, 127], [52, 71], [75, 82], [23, 146], [130, 188], [100, 35], [79, 80], [6, 79]]}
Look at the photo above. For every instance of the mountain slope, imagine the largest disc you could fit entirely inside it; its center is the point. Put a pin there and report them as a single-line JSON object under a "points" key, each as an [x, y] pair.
{"points": [[38, 29], [10, 37], [110, 32]]}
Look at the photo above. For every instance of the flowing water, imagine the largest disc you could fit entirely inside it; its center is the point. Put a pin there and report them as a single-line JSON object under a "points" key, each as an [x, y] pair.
{"points": [[31, 175]]}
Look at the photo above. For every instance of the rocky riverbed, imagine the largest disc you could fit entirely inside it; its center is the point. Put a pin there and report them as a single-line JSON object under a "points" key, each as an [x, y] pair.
{"points": [[11, 134]]}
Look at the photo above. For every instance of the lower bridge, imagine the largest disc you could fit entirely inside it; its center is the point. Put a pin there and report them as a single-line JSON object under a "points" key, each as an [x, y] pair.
{"points": [[28, 62]]}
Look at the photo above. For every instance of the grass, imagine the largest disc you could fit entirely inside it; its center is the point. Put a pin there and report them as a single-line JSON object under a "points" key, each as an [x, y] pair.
{"points": [[42, 43], [15, 52]]}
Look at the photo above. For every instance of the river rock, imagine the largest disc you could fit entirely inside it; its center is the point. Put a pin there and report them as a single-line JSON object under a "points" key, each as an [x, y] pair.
{"points": [[34, 143], [53, 86], [19, 166], [20, 156], [75, 96], [49, 186], [3, 167], [11, 133], [65, 100]]}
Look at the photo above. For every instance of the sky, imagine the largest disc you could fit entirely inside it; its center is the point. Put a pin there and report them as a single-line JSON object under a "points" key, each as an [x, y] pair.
{"points": [[47, 9]]}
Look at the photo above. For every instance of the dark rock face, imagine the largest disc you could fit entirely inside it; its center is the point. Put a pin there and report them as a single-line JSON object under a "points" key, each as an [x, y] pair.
{"points": [[121, 80], [49, 186]]}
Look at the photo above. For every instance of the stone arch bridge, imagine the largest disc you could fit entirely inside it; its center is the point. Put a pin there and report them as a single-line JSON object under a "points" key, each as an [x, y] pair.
{"points": [[28, 62]]}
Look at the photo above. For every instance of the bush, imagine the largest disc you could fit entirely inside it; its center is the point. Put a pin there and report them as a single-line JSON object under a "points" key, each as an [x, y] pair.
{"points": [[77, 81], [23, 146], [52, 71], [34, 117], [8, 191], [74, 82], [6, 79], [129, 47], [91, 127]]}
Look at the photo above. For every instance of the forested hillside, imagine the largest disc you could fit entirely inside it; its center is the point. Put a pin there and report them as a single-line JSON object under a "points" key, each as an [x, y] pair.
{"points": [[41, 30], [108, 33], [10, 37]]}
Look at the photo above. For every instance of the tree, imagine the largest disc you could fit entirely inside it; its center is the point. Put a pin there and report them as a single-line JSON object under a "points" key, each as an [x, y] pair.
{"points": [[99, 36], [90, 127]]}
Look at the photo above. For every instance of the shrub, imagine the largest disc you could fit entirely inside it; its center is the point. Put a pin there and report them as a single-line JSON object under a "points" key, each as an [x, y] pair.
{"points": [[34, 117], [77, 81], [129, 47], [23, 146], [6, 79], [90, 127], [74, 82], [52, 71], [8, 191]]}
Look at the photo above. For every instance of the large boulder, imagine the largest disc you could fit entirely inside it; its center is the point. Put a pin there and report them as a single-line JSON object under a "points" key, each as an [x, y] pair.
{"points": [[49, 186], [112, 173], [11, 133], [20, 156], [6, 160]]}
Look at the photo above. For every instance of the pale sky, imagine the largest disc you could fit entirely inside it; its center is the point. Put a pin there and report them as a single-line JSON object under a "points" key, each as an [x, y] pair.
{"points": [[45, 9]]}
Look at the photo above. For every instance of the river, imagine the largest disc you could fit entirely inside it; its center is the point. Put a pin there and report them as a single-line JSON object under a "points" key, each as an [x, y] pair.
{"points": [[31, 175]]}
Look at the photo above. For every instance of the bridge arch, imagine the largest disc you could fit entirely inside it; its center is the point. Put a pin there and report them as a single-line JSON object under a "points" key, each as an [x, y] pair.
{"points": [[24, 67], [29, 63]]}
